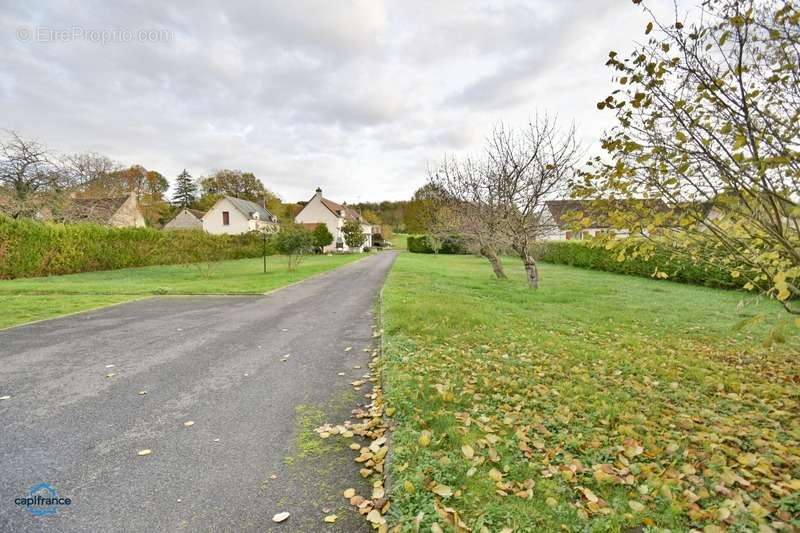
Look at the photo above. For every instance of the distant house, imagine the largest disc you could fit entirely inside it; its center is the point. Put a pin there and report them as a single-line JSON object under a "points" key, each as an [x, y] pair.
{"points": [[233, 216], [561, 216], [118, 212], [320, 210], [186, 219]]}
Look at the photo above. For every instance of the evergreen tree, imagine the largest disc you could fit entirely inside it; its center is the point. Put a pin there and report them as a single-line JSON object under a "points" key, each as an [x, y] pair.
{"points": [[185, 189]]}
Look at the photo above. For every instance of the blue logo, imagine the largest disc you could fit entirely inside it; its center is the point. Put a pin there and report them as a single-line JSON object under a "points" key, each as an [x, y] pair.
{"points": [[42, 500]]}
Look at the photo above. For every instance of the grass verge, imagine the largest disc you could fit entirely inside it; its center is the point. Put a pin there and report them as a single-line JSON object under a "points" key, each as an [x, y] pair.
{"points": [[599, 403], [28, 299]]}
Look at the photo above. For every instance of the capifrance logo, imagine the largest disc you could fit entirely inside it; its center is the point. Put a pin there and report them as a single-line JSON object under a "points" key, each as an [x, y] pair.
{"points": [[42, 500]]}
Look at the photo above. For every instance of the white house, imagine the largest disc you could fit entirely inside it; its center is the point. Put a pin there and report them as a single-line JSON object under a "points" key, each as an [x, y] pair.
{"points": [[234, 216], [320, 210]]}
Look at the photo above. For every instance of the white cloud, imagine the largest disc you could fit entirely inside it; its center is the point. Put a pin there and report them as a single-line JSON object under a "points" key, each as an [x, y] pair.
{"points": [[355, 96]]}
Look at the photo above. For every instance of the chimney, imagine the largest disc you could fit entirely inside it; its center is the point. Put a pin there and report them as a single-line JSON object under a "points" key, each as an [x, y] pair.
{"points": [[318, 193]]}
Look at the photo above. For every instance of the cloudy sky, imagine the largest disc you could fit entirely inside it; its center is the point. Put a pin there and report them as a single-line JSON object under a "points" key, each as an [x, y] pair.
{"points": [[356, 96]]}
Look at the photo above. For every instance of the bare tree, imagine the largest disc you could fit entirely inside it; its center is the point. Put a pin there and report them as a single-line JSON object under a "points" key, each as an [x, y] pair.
{"points": [[472, 203], [530, 167], [26, 168], [88, 168]]}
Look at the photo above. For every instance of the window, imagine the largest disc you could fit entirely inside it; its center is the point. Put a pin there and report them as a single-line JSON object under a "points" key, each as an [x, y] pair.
{"points": [[226, 218]]}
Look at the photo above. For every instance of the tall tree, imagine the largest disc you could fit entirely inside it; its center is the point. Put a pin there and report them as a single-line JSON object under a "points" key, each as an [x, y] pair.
{"points": [[321, 237], [708, 120], [185, 189]]}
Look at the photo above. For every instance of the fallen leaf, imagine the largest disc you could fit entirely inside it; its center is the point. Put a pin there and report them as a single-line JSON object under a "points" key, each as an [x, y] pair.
{"points": [[468, 452], [188, 423], [144, 452], [349, 493], [330, 519], [443, 490], [280, 517]]}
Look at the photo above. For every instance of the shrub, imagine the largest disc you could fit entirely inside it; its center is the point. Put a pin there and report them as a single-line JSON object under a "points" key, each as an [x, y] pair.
{"points": [[421, 244], [29, 248], [598, 258], [293, 241]]}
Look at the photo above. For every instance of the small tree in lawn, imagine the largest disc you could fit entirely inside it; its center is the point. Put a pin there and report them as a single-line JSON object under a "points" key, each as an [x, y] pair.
{"points": [[321, 237], [294, 242], [354, 235], [527, 168], [185, 189]]}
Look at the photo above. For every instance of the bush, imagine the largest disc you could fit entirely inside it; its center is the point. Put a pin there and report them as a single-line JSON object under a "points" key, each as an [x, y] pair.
{"points": [[29, 248], [598, 258], [421, 244], [293, 241]]}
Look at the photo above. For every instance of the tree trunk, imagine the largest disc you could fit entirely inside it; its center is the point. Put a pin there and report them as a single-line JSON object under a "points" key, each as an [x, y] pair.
{"points": [[530, 268], [497, 266]]}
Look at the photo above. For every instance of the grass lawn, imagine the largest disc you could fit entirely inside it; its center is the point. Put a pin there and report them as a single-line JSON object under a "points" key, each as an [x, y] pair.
{"points": [[599, 403], [399, 241], [28, 299]]}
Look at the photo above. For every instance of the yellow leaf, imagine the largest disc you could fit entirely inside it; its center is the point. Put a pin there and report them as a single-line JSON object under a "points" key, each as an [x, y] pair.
{"points": [[425, 439], [443, 490], [496, 475], [436, 528], [635, 506], [145, 452], [330, 519], [408, 487], [375, 517], [468, 452], [551, 502], [349, 493]]}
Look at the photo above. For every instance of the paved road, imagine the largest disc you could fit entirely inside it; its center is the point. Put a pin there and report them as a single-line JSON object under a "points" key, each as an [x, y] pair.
{"points": [[213, 360]]}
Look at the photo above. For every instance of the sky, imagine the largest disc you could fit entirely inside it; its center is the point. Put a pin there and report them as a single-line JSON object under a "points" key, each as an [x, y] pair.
{"points": [[358, 97]]}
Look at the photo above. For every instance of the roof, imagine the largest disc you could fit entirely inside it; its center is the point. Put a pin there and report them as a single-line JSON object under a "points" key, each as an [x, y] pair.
{"points": [[196, 212], [248, 208], [95, 209], [349, 213], [597, 211]]}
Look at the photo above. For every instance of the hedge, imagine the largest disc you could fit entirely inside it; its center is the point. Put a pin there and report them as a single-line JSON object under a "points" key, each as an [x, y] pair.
{"points": [[29, 248], [598, 258], [420, 244]]}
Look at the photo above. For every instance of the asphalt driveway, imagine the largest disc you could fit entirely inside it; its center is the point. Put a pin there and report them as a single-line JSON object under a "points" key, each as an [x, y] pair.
{"points": [[252, 373]]}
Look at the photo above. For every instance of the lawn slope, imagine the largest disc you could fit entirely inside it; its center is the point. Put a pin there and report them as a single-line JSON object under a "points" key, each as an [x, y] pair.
{"points": [[27, 299], [601, 402]]}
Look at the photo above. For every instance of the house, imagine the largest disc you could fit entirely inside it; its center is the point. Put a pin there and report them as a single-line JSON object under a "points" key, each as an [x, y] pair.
{"points": [[320, 210], [118, 212], [561, 216], [234, 216], [186, 219]]}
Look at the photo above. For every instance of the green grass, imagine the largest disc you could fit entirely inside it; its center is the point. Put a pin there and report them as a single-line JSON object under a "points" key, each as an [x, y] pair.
{"points": [[399, 241], [28, 299], [600, 402]]}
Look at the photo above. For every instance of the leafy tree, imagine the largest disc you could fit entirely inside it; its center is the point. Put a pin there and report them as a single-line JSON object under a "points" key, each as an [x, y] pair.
{"points": [[354, 235], [236, 183], [708, 119], [293, 241], [185, 189], [321, 237]]}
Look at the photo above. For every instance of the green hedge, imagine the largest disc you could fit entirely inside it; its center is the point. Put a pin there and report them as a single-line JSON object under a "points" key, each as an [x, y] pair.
{"points": [[29, 248], [421, 244], [598, 258]]}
